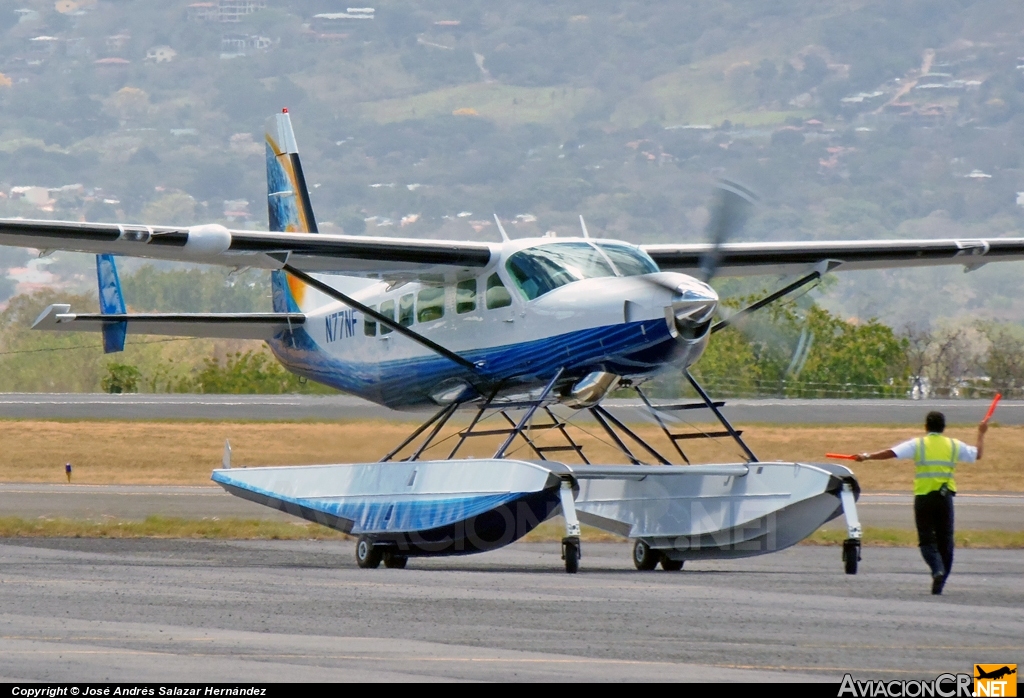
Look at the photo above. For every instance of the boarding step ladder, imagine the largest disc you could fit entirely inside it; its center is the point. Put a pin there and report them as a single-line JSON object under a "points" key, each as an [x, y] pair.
{"points": [[674, 437], [523, 428]]}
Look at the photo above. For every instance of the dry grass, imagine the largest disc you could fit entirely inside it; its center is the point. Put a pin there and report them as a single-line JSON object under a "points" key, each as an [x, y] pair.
{"points": [[905, 538], [151, 452], [166, 527]]}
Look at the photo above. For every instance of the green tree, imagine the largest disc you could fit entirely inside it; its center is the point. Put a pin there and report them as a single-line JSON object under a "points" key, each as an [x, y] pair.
{"points": [[852, 360], [212, 290], [1004, 360], [730, 364], [252, 372], [121, 378]]}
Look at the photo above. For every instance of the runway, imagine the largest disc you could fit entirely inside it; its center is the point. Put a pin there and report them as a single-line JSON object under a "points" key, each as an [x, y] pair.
{"points": [[29, 501], [343, 407], [167, 610]]}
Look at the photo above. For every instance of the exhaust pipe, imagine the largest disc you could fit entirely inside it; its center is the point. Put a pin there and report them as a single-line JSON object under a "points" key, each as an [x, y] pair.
{"points": [[591, 389]]}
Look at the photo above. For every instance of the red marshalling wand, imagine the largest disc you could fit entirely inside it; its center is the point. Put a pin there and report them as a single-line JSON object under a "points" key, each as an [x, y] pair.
{"points": [[992, 409]]}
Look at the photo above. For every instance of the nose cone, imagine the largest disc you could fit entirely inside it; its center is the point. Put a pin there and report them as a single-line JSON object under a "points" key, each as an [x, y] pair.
{"points": [[693, 309]]}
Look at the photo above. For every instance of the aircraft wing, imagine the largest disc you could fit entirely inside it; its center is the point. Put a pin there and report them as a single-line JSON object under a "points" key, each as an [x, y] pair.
{"points": [[221, 325], [753, 258], [215, 244]]}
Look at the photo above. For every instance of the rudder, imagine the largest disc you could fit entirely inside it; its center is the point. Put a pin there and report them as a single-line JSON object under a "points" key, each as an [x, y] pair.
{"points": [[111, 303], [289, 209]]}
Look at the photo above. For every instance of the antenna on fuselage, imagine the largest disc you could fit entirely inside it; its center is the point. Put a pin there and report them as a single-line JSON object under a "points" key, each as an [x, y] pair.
{"points": [[501, 228], [583, 224]]}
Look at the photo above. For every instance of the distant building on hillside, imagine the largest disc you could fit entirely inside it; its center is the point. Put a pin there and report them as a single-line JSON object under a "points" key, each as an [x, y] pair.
{"points": [[236, 210], [235, 10], [161, 54], [229, 11], [203, 12], [44, 44], [27, 14], [238, 44], [116, 42], [353, 13], [113, 62]]}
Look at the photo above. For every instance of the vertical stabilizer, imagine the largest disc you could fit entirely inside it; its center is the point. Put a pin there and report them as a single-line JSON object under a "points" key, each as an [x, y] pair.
{"points": [[111, 303], [288, 205], [287, 196]]}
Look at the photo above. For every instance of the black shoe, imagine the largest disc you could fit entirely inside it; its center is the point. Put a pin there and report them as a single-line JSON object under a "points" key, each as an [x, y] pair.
{"points": [[938, 581]]}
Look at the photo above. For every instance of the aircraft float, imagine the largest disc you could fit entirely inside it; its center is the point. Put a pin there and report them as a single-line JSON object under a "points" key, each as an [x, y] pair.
{"points": [[518, 331]]}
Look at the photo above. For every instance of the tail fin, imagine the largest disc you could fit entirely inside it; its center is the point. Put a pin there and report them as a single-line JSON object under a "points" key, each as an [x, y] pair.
{"points": [[287, 197], [111, 303], [288, 205]]}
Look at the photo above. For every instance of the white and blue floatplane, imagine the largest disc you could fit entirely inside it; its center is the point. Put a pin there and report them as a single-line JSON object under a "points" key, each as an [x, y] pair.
{"points": [[519, 330]]}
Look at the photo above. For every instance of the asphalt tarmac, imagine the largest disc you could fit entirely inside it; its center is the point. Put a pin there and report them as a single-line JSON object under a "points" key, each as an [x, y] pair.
{"points": [[344, 407], [95, 502], [172, 610]]}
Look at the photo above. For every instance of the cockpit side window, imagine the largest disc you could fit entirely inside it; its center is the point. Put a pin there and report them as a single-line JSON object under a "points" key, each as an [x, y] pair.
{"points": [[630, 261], [497, 295], [537, 270]]}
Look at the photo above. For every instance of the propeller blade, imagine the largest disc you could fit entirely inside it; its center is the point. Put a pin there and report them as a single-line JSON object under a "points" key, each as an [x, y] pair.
{"points": [[732, 208]]}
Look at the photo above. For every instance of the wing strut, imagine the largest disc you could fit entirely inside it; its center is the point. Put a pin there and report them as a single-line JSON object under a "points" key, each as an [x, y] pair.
{"points": [[382, 319], [767, 300]]}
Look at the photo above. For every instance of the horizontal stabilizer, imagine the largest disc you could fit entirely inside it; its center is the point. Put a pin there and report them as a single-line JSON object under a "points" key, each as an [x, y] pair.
{"points": [[220, 325]]}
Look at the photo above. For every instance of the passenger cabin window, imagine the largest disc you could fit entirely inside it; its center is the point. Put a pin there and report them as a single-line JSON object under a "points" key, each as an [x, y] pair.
{"points": [[387, 309], [430, 304], [405, 310], [538, 270], [369, 324], [465, 296], [497, 295]]}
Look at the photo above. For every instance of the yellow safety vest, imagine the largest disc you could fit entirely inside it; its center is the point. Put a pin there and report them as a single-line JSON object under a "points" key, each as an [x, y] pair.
{"points": [[935, 459]]}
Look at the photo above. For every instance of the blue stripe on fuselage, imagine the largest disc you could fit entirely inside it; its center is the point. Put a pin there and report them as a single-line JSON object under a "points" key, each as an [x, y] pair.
{"points": [[631, 349]]}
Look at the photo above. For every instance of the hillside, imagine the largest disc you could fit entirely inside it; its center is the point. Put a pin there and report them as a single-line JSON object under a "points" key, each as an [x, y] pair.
{"points": [[864, 119]]}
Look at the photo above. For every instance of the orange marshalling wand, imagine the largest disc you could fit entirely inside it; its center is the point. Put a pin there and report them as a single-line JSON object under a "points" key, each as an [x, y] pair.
{"points": [[992, 409], [841, 456]]}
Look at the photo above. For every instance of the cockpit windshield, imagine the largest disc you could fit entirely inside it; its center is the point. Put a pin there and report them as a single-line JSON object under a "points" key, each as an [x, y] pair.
{"points": [[629, 261], [537, 270]]}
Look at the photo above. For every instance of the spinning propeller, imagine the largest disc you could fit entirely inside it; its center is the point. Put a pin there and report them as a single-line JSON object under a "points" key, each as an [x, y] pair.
{"points": [[731, 210]]}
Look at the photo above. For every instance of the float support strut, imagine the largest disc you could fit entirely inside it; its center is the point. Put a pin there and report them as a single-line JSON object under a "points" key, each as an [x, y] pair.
{"points": [[571, 543], [851, 546]]}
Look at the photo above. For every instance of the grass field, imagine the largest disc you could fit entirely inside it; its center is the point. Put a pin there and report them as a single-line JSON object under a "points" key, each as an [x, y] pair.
{"points": [[503, 104], [150, 452]]}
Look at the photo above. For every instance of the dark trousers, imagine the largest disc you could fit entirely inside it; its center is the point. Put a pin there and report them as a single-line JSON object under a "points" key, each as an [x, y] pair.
{"points": [[933, 513]]}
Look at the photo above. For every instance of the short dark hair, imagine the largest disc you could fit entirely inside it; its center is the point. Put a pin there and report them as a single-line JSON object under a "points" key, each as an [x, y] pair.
{"points": [[935, 422]]}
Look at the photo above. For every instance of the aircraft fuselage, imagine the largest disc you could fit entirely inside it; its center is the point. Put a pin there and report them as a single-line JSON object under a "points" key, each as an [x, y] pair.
{"points": [[520, 320]]}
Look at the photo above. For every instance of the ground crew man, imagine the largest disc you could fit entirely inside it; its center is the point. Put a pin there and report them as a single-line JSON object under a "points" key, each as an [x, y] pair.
{"points": [[935, 458]]}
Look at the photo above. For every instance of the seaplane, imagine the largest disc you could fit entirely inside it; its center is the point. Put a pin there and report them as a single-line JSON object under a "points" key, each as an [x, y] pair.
{"points": [[525, 332]]}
